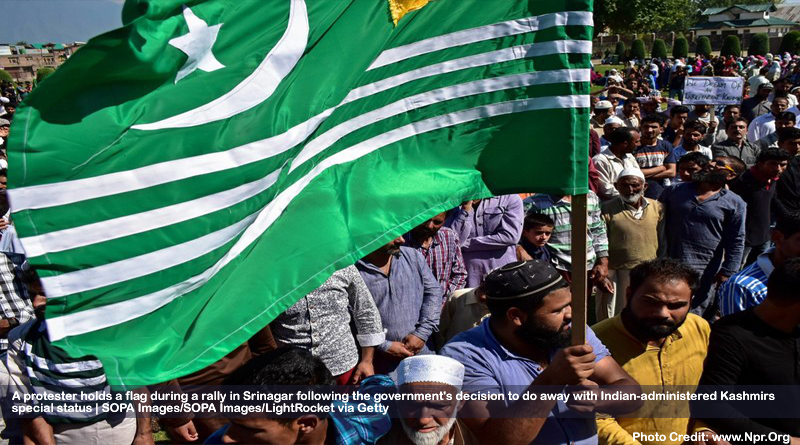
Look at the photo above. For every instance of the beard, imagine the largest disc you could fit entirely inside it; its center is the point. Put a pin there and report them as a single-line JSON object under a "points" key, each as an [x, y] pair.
{"points": [[432, 438], [651, 328], [714, 177], [543, 338], [632, 199]]}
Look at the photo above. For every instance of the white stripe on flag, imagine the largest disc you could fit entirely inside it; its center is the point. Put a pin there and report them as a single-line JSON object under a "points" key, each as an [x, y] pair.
{"points": [[499, 56], [69, 192], [330, 137], [482, 33], [112, 273], [258, 86], [142, 222], [95, 319]]}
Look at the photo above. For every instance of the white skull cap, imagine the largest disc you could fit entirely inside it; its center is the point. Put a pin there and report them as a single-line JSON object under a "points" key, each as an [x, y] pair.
{"points": [[635, 172], [430, 368]]}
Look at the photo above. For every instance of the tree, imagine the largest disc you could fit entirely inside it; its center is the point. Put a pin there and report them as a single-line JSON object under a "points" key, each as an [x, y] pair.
{"points": [[637, 49], [641, 16], [703, 47], [759, 45], [620, 49], [5, 77], [790, 42], [43, 73], [659, 49], [681, 48], [731, 47]]}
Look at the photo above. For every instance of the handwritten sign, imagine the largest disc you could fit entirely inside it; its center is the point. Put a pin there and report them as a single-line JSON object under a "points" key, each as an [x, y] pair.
{"points": [[713, 91]]}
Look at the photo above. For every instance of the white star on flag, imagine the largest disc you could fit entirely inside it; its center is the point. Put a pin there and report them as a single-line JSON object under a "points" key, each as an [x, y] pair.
{"points": [[197, 45]]}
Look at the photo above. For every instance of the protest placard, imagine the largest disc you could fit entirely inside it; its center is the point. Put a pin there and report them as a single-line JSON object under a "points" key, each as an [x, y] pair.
{"points": [[713, 91]]}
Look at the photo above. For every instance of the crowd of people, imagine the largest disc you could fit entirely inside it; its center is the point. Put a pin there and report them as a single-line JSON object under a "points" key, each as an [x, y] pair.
{"points": [[693, 260]]}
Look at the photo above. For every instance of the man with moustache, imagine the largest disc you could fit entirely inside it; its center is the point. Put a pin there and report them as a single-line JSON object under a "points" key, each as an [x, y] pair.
{"points": [[736, 143], [660, 344], [408, 298], [705, 228], [522, 349], [433, 421], [441, 248], [632, 222]]}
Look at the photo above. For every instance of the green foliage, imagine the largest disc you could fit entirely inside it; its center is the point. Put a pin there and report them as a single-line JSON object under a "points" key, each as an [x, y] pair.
{"points": [[643, 16], [731, 47], [659, 49], [681, 48], [790, 42], [703, 47], [637, 49], [620, 49], [43, 73], [5, 77], [759, 45]]}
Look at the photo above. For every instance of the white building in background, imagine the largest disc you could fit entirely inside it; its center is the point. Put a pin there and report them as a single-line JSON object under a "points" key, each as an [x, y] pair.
{"points": [[742, 20]]}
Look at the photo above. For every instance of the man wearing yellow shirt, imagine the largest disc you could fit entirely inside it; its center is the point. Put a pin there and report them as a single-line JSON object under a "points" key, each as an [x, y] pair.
{"points": [[661, 345]]}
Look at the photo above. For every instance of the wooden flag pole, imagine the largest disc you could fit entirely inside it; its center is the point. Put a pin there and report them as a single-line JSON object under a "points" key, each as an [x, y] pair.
{"points": [[578, 217]]}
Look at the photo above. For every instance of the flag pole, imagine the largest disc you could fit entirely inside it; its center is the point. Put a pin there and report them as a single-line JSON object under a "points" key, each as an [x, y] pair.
{"points": [[578, 217]]}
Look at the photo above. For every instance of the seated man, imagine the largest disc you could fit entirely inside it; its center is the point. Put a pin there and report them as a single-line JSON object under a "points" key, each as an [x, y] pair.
{"points": [[660, 344], [431, 422], [295, 367], [756, 347], [522, 349]]}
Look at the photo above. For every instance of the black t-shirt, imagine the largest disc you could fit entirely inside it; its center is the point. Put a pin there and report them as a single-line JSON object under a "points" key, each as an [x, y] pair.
{"points": [[743, 350], [758, 199]]}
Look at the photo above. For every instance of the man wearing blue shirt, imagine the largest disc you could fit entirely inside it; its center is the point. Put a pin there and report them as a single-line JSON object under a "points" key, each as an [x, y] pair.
{"points": [[522, 349]]}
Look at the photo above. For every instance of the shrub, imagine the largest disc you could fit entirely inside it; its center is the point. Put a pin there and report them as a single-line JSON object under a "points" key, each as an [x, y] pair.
{"points": [[659, 49], [790, 42], [681, 48], [759, 45], [731, 47], [620, 49], [637, 49], [43, 73], [703, 47]]}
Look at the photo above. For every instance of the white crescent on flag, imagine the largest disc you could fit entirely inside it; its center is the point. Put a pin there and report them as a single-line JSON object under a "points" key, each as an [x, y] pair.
{"points": [[258, 86]]}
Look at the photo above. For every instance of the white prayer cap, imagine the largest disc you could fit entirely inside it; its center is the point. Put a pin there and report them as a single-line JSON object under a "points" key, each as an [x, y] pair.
{"points": [[614, 120], [432, 369], [603, 105], [631, 172], [5, 100]]}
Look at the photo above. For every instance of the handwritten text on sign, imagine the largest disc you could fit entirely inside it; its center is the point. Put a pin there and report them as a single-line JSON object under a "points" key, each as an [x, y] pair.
{"points": [[713, 90]]}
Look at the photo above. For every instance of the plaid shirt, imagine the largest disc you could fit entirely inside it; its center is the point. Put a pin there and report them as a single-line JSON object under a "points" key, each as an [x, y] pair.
{"points": [[14, 301], [444, 258], [559, 210]]}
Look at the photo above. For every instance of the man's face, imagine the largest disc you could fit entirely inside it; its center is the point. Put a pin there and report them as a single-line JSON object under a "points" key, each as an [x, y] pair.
{"points": [[783, 87], [717, 171], [731, 113], [602, 114], [393, 247], [764, 92], [792, 146], [608, 129], [650, 107], [686, 170], [737, 131], [788, 246], [538, 235], [783, 123], [11, 109], [262, 431], [633, 144], [548, 327], [430, 227], [701, 109], [631, 109], [679, 119], [4, 131], [634, 84], [772, 169], [427, 422], [651, 130], [779, 105], [3, 183], [657, 309], [630, 188], [691, 138]]}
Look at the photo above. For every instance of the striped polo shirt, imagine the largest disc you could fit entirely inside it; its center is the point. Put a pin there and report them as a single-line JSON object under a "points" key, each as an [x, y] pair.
{"points": [[748, 288]]}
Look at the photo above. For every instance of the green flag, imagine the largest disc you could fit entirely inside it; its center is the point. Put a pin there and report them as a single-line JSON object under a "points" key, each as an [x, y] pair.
{"points": [[181, 181]]}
